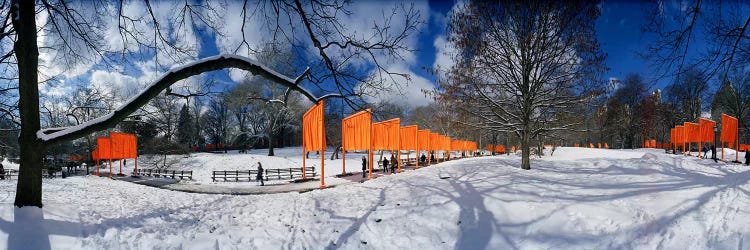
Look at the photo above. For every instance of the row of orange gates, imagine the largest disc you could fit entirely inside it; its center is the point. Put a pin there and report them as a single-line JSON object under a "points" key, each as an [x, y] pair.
{"points": [[681, 137], [358, 132]]}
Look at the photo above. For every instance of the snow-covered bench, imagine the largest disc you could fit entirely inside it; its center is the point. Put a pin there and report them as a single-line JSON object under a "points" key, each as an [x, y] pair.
{"points": [[165, 173]]}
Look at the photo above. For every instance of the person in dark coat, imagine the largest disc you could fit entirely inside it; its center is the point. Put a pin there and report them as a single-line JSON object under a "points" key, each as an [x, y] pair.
{"points": [[259, 175], [713, 153], [393, 163], [364, 166], [2, 172], [747, 157], [705, 152], [423, 159], [385, 165]]}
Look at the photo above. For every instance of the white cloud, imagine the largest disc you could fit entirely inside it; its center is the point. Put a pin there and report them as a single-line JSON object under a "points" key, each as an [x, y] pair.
{"points": [[402, 92], [444, 53], [114, 83]]}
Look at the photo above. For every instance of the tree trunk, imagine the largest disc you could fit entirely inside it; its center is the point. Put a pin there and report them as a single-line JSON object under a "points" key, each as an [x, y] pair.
{"points": [[29, 188], [271, 140], [525, 154]]}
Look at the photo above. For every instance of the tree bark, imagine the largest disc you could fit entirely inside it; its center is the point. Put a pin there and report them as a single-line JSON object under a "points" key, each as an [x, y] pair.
{"points": [[29, 188], [271, 140], [525, 153]]}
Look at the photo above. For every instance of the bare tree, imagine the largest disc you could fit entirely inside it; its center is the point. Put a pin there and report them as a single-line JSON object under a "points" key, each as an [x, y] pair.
{"points": [[674, 50], [520, 65]]}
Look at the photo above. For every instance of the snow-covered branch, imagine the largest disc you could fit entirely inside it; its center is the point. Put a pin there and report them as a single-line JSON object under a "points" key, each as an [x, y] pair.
{"points": [[57, 135]]}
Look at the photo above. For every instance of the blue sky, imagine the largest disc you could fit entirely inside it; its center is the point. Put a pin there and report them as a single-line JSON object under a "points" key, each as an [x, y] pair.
{"points": [[618, 30]]}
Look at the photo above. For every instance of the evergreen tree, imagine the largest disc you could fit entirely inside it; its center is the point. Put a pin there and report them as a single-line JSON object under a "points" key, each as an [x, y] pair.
{"points": [[185, 126]]}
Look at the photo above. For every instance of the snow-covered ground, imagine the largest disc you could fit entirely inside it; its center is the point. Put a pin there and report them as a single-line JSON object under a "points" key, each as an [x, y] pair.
{"points": [[579, 198]]}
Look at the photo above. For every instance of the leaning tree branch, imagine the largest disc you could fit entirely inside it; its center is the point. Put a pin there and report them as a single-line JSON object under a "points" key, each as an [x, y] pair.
{"points": [[57, 135]]}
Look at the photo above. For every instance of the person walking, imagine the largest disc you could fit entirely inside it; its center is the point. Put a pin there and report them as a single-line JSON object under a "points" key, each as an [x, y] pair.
{"points": [[364, 166], [2, 172], [423, 159], [705, 152], [385, 165], [259, 175], [747, 157]]}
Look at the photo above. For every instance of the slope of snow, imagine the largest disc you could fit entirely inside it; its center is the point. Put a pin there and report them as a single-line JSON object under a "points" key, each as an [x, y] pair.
{"points": [[579, 198]]}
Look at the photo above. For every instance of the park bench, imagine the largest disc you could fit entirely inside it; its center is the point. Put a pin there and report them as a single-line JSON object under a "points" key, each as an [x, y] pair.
{"points": [[165, 173]]}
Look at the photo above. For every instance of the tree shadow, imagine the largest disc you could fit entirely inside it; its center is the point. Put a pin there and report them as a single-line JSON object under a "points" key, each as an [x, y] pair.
{"points": [[356, 221], [30, 230]]}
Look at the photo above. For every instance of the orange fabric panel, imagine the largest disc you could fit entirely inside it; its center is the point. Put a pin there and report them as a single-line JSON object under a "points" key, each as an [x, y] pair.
{"points": [[706, 130], [671, 136], [124, 146], [313, 128], [423, 139], [95, 154], [356, 131], [455, 145], [729, 128], [606, 145], [434, 141], [591, 145], [577, 145], [679, 134], [408, 138], [653, 144], [103, 146], [692, 132], [386, 134], [499, 149], [490, 147]]}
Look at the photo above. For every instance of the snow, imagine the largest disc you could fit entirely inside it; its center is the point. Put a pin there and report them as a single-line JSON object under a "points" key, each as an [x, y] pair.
{"points": [[579, 198]]}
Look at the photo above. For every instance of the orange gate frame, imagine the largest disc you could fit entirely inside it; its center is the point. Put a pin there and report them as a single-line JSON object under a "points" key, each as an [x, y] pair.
{"points": [[423, 143], [386, 137], [408, 141], [314, 137], [356, 134], [706, 133], [729, 130]]}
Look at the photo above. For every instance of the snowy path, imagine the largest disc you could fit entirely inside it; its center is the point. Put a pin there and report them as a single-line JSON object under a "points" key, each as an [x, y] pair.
{"points": [[579, 198]]}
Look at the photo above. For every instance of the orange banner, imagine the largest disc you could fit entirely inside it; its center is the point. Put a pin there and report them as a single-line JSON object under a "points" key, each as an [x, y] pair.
{"points": [[103, 148], [706, 130], [356, 131], [434, 141], [423, 139], [124, 146], [386, 134], [692, 132], [679, 134], [729, 127], [313, 128], [408, 138]]}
